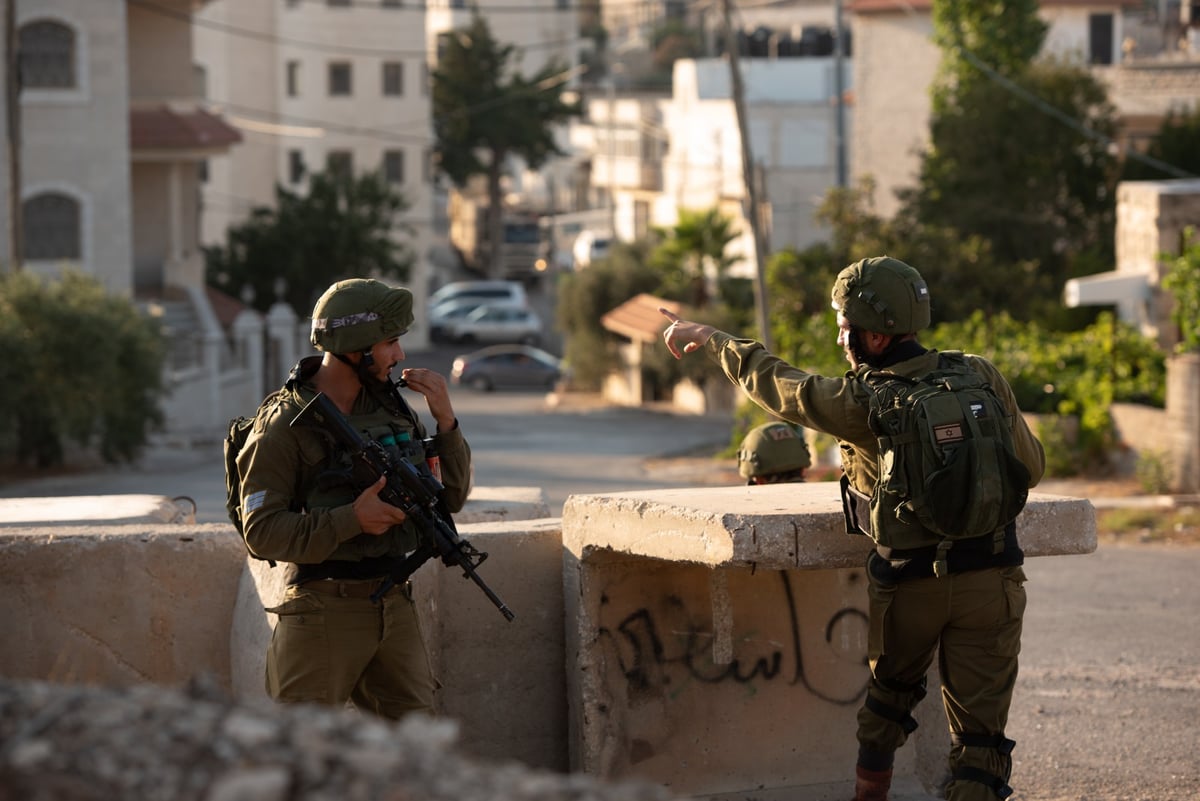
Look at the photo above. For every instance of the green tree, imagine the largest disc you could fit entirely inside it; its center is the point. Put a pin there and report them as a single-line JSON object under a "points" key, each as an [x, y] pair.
{"points": [[344, 227], [80, 365], [962, 270], [1176, 143], [482, 116], [692, 255], [1018, 157], [1183, 281], [671, 41], [587, 295], [1005, 37]]}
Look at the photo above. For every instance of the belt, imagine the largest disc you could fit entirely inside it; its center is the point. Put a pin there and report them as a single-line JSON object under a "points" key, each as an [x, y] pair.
{"points": [[354, 589]]}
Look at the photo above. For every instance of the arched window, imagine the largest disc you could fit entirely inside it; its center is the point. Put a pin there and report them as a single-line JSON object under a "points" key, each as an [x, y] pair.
{"points": [[46, 52], [52, 227]]}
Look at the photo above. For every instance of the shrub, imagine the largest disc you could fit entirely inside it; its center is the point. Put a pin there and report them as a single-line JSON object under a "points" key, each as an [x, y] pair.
{"points": [[80, 365]]}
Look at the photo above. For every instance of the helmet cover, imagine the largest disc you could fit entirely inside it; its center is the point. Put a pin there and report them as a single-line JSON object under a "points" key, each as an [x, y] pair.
{"points": [[353, 315], [883, 295], [772, 448]]}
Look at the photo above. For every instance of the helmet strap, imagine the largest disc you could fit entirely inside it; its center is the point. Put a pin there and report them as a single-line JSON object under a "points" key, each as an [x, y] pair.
{"points": [[385, 392]]}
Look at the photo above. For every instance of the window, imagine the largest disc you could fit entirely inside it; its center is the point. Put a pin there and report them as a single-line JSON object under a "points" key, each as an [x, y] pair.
{"points": [[340, 81], [393, 166], [296, 168], [46, 56], [393, 78], [392, 4], [293, 79], [1100, 38], [337, 3], [52, 228], [340, 162]]}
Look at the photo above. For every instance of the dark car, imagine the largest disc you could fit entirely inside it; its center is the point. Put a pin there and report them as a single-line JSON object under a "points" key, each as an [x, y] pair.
{"points": [[507, 366]]}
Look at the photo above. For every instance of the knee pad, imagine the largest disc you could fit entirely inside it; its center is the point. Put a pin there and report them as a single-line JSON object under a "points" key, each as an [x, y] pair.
{"points": [[986, 759]]}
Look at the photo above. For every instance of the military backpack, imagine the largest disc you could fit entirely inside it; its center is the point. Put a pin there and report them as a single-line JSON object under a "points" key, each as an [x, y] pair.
{"points": [[235, 440], [947, 467]]}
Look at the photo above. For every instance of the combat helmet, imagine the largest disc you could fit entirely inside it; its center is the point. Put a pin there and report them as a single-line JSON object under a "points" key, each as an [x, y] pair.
{"points": [[353, 315], [771, 449], [883, 295]]}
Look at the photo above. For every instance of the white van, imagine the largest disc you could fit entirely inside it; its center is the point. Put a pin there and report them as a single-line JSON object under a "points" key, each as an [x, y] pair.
{"points": [[507, 293]]}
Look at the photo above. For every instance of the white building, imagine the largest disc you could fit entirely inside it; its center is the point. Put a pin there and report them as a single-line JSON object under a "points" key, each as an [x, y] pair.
{"points": [[112, 138], [312, 83], [792, 119], [315, 85]]}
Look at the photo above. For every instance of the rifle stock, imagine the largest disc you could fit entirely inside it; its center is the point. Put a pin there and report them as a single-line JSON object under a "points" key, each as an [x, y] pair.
{"points": [[407, 488]]}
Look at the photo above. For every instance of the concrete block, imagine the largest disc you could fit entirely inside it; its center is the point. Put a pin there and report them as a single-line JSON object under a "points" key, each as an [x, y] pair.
{"points": [[118, 605], [93, 509], [504, 682], [716, 639], [487, 504], [781, 526]]}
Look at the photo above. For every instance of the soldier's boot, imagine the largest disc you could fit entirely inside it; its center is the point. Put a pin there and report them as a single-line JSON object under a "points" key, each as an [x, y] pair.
{"points": [[871, 785]]}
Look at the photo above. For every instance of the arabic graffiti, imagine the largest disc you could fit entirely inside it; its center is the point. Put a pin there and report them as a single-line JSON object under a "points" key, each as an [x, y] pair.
{"points": [[651, 664]]}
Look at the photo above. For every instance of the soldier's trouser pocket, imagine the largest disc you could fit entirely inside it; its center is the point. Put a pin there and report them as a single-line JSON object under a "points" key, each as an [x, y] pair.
{"points": [[297, 658]]}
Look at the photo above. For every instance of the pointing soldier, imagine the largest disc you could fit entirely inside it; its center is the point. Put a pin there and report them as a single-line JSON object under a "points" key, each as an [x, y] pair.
{"points": [[966, 609]]}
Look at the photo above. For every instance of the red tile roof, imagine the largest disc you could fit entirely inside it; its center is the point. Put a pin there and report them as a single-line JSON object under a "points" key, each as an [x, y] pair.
{"points": [[163, 129], [639, 319], [226, 307]]}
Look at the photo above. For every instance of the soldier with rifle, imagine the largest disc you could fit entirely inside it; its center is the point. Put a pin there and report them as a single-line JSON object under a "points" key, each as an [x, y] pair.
{"points": [[348, 628]]}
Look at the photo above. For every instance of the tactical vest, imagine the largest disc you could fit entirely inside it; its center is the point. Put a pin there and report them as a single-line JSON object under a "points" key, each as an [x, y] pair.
{"points": [[330, 485]]}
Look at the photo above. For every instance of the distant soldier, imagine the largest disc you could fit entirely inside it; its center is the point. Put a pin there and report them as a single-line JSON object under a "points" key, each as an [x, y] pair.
{"points": [[773, 453]]}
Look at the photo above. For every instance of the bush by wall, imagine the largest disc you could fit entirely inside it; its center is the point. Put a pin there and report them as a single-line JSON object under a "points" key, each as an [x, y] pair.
{"points": [[79, 365]]}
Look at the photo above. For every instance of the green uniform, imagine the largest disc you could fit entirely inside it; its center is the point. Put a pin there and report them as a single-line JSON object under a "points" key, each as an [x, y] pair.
{"points": [[971, 618], [332, 643]]}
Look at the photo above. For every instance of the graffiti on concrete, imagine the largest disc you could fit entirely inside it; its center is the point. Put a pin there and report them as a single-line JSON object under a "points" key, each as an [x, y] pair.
{"points": [[649, 665]]}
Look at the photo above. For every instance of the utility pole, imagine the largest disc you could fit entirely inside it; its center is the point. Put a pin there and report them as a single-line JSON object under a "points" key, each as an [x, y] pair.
{"points": [[12, 114], [749, 176], [839, 55]]}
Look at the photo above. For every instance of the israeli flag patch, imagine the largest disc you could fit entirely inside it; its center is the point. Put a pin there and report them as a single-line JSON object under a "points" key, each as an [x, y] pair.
{"points": [[254, 501]]}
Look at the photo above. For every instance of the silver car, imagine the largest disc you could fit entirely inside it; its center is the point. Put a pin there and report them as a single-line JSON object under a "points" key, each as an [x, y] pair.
{"points": [[495, 324]]}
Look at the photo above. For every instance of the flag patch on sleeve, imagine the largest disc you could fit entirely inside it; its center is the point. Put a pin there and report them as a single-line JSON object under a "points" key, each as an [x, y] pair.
{"points": [[254, 501]]}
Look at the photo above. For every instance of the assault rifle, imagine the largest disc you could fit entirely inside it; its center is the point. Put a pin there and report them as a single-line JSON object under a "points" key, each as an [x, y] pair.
{"points": [[409, 489]]}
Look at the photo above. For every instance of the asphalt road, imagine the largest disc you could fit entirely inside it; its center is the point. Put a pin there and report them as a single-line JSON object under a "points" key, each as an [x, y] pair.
{"points": [[1108, 701]]}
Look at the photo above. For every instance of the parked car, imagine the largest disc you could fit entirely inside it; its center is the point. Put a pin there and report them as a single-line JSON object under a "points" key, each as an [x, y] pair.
{"points": [[453, 310], [490, 323], [510, 292], [507, 365]]}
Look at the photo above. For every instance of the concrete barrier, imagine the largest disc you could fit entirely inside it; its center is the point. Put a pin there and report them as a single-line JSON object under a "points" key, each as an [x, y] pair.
{"points": [[709, 640], [118, 604], [716, 639]]}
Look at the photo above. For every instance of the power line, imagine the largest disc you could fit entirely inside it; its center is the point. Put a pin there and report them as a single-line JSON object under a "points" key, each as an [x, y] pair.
{"points": [[351, 130]]}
